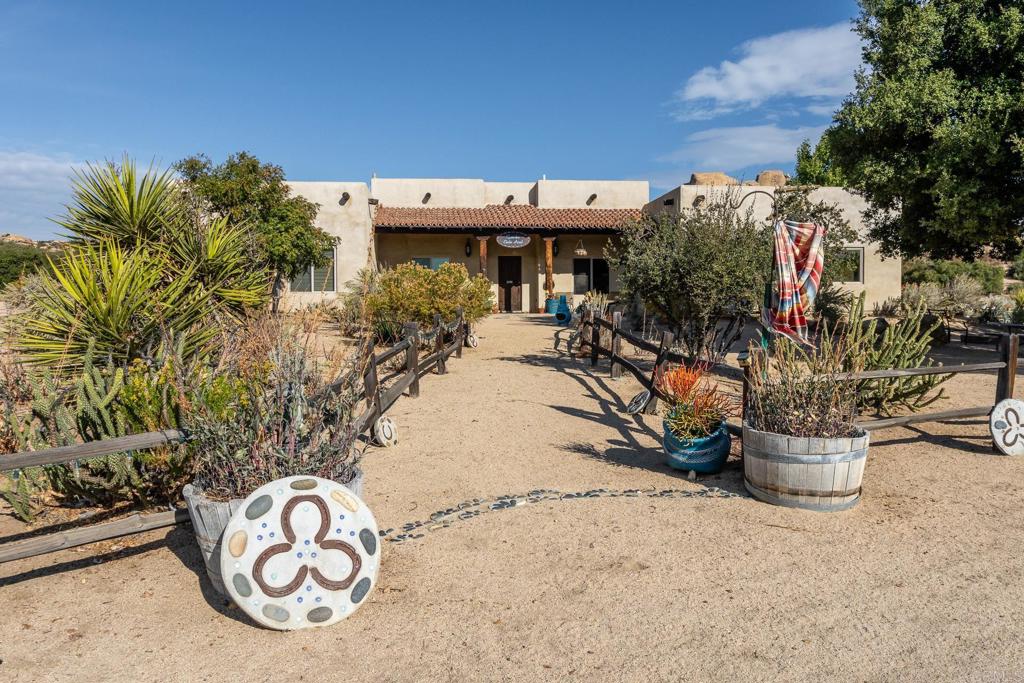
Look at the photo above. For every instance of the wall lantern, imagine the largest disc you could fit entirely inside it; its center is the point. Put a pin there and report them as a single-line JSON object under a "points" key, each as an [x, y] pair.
{"points": [[580, 249], [469, 248], [426, 198], [554, 247], [345, 196]]}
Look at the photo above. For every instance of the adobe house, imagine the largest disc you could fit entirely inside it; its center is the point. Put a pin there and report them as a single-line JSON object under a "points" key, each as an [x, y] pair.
{"points": [[531, 239]]}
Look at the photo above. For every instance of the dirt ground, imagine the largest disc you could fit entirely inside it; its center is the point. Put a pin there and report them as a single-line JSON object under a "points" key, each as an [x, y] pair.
{"points": [[920, 582]]}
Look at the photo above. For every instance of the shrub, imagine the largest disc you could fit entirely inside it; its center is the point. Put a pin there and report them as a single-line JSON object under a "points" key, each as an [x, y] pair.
{"points": [[138, 270], [702, 291], [943, 272], [268, 414], [801, 392], [694, 407], [1018, 306], [995, 308], [1017, 267], [413, 293], [832, 304], [19, 259]]}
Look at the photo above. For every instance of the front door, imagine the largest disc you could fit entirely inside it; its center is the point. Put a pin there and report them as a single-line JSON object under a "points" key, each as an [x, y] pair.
{"points": [[510, 283]]}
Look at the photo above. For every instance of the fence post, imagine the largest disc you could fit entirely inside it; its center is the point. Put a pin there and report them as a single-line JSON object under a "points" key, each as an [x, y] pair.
{"points": [[371, 389], [412, 357], [660, 363], [439, 343], [1008, 345], [595, 339], [616, 369], [460, 331]]}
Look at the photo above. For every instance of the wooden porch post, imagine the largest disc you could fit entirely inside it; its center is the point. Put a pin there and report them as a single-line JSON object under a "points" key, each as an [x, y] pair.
{"points": [[549, 266], [483, 253]]}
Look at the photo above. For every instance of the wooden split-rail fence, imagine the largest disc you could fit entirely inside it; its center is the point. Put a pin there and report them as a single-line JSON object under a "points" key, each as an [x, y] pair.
{"points": [[590, 338], [444, 340]]}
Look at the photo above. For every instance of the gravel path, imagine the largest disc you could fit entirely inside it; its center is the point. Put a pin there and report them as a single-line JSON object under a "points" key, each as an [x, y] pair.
{"points": [[538, 537]]}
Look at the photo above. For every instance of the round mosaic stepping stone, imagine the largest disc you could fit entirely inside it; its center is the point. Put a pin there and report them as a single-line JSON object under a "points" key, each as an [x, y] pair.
{"points": [[1007, 426], [472, 341], [300, 552], [385, 432], [638, 403]]}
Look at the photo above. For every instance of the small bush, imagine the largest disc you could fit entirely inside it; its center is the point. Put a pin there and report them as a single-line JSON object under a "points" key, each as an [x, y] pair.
{"points": [[800, 392], [943, 272], [19, 259], [412, 293], [1017, 267]]}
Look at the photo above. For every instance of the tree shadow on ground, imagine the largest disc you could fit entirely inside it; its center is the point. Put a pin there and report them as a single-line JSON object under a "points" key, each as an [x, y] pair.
{"points": [[627, 451]]}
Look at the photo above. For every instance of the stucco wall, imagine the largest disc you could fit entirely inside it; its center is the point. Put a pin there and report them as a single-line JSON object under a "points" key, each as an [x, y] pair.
{"points": [[611, 194], [349, 221], [443, 191], [498, 192], [881, 277]]}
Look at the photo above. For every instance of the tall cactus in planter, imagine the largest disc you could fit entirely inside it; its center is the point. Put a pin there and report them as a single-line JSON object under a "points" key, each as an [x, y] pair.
{"points": [[904, 344]]}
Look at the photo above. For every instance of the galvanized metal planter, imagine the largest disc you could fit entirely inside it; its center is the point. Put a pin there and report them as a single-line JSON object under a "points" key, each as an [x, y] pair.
{"points": [[807, 473], [209, 517]]}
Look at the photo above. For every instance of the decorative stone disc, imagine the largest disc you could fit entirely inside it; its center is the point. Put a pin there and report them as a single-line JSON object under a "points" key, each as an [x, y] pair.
{"points": [[300, 552], [639, 402], [472, 341], [385, 432], [1007, 426]]}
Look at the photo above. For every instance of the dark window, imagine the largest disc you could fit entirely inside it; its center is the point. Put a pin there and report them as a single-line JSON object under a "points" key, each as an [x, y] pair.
{"points": [[315, 278], [590, 273], [580, 275], [431, 262], [850, 267]]}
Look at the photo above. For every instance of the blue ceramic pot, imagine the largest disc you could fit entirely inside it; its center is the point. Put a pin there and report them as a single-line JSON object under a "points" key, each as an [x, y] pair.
{"points": [[706, 455]]}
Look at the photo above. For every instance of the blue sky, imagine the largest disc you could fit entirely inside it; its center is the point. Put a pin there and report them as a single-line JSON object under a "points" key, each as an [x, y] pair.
{"points": [[339, 90]]}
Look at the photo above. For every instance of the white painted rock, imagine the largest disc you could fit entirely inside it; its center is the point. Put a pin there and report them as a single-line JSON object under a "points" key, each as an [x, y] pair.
{"points": [[300, 552], [1007, 426]]}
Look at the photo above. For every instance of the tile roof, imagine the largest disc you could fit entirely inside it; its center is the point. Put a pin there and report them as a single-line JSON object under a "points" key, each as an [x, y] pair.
{"points": [[502, 216]]}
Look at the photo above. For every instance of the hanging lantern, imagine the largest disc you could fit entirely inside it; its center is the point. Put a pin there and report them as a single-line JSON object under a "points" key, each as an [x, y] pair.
{"points": [[580, 249]]}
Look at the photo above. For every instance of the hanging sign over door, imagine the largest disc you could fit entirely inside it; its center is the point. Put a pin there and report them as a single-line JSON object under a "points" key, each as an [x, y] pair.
{"points": [[513, 240]]}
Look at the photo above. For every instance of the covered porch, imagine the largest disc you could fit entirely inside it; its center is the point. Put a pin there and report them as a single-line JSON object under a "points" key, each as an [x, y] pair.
{"points": [[528, 254]]}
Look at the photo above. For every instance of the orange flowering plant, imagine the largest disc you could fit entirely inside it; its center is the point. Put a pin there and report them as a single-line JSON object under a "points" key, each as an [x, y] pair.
{"points": [[694, 406]]}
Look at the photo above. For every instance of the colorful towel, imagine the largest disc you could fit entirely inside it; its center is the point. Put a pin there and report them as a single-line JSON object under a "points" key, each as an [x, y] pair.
{"points": [[799, 259]]}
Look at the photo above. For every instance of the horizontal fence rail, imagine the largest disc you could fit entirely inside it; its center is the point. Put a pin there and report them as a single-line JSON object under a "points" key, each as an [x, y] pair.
{"points": [[378, 401], [590, 341]]}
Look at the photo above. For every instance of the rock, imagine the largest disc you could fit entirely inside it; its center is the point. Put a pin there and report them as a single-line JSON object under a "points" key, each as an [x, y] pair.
{"points": [[772, 177], [259, 507], [712, 178]]}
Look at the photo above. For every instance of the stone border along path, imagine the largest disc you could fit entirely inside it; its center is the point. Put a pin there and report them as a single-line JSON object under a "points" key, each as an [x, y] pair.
{"points": [[442, 519]]}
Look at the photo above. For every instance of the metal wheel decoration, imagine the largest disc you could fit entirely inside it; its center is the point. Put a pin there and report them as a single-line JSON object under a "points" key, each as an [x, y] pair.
{"points": [[385, 432], [300, 552], [472, 341], [638, 403], [1007, 426]]}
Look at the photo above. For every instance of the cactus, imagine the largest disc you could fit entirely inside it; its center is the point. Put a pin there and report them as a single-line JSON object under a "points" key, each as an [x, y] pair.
{"points": [[904, 344]]}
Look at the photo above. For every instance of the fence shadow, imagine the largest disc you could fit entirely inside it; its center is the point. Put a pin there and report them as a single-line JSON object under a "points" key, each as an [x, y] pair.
{"points": [[980, 444], [626, 451]]}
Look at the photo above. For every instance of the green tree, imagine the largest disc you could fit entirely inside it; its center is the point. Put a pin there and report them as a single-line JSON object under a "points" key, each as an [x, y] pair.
{"points": [[814, 165], [247, 191], [933, 135]]}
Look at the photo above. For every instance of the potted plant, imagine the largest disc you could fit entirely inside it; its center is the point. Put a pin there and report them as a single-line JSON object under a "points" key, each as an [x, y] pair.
{"points": [[695, 434], [801, 446], [266, 414]]}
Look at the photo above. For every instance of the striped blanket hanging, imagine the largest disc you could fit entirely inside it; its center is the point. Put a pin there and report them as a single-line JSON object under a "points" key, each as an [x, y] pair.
{"points": [[799, 260]]}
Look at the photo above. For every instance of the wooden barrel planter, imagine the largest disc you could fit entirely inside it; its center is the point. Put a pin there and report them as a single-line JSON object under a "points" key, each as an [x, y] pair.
{"points": [[209, 517], [807, 473]]}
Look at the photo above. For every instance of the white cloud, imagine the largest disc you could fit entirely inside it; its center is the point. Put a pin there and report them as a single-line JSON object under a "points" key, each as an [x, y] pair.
{"points": [[33, 188], [732, 148], [813, 63]]}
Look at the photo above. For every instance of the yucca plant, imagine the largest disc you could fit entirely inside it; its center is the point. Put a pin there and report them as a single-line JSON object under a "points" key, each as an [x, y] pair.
{"points": [[139, 269]]}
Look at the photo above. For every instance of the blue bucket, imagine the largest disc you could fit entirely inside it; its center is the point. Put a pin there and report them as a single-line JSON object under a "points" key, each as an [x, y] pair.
{"points": [[551, 305], [563, 315], [706, 455]]}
